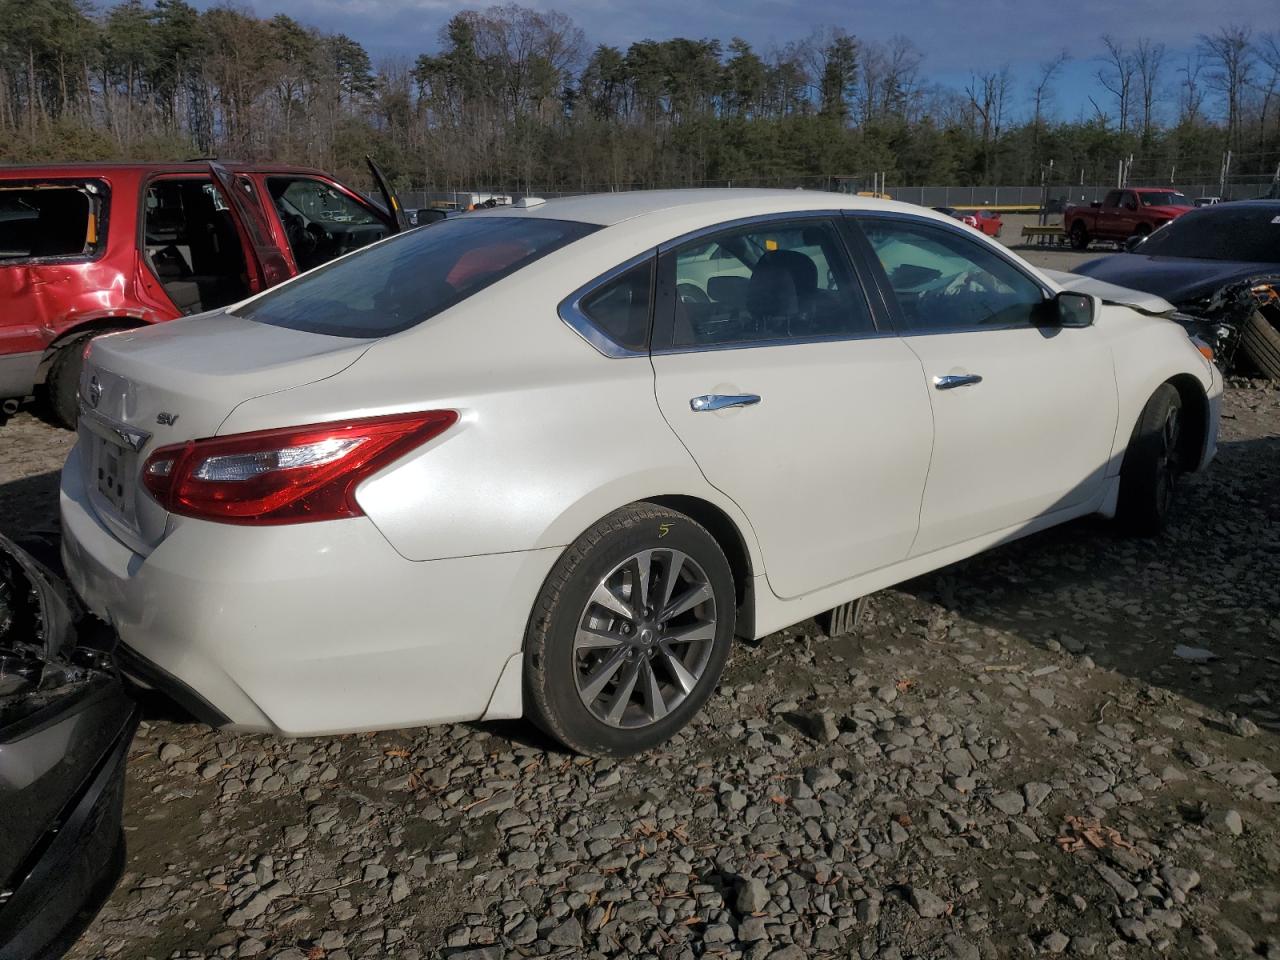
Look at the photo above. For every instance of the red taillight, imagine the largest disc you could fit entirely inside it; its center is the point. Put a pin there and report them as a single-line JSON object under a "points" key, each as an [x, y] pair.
{"points": [[291, 475]]}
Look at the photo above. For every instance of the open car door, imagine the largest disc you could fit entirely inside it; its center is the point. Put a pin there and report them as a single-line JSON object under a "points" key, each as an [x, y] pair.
{"points": [[389, 198], [272, 266]]}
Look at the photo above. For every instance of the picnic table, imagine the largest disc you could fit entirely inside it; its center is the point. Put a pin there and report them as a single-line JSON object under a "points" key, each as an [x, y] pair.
{"points": [[1048, 234]]}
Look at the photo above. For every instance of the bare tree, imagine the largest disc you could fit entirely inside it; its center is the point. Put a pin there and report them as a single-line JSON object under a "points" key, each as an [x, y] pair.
{"points": [[1148, 58], [1042, 92], [1116, 77], [1268, 88], [988, 95], [1191, 89], [1231, 51]]}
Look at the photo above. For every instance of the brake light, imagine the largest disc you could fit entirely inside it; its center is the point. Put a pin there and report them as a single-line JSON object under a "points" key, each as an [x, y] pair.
{"points": [[291, 475]]}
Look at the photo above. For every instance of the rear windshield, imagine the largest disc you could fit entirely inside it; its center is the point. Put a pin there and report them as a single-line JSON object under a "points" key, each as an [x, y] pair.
{"points": [[397, 284], [51, 221], [1225, 231]]}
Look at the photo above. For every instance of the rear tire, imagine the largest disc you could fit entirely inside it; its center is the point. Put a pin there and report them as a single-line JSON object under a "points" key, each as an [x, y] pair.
{"points": [[1079, 236], [1149, 473], [608, 671], [62, 385], [1260, 342]]}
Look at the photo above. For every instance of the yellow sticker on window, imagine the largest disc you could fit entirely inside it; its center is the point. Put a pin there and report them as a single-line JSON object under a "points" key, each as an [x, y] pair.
{"points": [[771, 244]]}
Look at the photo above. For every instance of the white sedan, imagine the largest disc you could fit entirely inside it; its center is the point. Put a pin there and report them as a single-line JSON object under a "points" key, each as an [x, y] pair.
{"points": [[549, 460]]}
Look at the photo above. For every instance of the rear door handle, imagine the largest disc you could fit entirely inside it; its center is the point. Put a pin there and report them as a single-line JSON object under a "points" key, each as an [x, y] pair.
{"points": [[722, 401], [956, 380]]}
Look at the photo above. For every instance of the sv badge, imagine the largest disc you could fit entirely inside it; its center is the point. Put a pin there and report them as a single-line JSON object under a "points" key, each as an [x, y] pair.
{"points": [[166, 419]]}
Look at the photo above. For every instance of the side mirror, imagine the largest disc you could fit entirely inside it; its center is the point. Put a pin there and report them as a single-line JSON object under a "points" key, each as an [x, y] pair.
{"points": [[1130, 244], [1073, 310]]}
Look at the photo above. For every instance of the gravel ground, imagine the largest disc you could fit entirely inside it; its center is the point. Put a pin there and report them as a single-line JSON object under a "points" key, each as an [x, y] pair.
{"points": [[1067, 746]]}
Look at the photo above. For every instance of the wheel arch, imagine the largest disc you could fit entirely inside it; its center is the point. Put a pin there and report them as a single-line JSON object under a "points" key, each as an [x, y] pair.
{"points": [[86, 328], [1195, 427], [727, 534]]}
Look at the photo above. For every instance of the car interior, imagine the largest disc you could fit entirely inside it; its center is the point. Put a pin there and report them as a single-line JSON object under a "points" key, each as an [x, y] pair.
{"points": [[784, 283], [321, 222], [939, 279], [38, 222], [193, 246]]}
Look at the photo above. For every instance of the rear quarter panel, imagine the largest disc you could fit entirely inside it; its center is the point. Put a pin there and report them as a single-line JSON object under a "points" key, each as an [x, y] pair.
{"points": [[552, 435]]}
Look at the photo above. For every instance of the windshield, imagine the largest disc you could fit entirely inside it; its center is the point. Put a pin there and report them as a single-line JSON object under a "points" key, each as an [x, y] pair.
{"points": [[1225, 231], [395, 285], [1164, 198]]}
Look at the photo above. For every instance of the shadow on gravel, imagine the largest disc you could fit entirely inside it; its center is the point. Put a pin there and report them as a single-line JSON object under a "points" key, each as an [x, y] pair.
{"points": [[30, 503], [1211, 583]]}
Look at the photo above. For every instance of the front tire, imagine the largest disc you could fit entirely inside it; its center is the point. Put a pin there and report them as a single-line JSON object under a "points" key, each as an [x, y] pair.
{"points": [[630, 633], [1149, 473], [1079, 236]]}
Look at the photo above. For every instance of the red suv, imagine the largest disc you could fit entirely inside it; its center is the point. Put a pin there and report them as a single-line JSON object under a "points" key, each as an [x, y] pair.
{"points": [[86, 249]]}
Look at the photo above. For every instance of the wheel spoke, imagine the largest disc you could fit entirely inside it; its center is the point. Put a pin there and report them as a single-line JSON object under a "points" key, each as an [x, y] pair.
{"points": [[688, 601], [675, 563], [602, 674], [622, 696], [699, 631], [640, 581], [679, 673], [605, 597], [589, 638], [653, 692]]}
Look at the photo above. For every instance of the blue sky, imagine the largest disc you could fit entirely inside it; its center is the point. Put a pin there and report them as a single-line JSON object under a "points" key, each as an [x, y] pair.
{"points": [[954, 35]]}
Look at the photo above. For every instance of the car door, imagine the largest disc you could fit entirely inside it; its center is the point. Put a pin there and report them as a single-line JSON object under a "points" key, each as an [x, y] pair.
{"points": [[400, 220], [1024, 414], [271, 265], [791, 399], [1126, 221]]}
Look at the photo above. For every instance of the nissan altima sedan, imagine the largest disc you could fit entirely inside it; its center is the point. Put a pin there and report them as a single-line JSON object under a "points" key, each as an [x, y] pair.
{"points": [[549, 460]]}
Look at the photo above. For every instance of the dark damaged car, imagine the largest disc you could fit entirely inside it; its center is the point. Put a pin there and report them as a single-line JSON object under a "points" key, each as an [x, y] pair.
{"points": [[65, 728], [1220, 267]]}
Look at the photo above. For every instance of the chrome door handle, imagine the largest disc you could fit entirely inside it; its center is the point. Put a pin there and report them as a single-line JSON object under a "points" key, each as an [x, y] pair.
{"points": [[956, 380], [722, 401]]}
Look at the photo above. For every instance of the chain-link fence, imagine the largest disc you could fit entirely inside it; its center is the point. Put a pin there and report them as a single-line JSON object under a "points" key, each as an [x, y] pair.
{"points": [[1049, 199]]}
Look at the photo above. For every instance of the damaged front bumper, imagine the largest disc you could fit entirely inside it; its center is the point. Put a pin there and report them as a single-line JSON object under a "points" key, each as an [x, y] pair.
{"points": [[1219, 319], [65, 729]]}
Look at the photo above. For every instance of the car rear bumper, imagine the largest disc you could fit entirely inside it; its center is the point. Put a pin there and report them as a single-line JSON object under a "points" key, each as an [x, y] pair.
{"points": [[304, 629]]}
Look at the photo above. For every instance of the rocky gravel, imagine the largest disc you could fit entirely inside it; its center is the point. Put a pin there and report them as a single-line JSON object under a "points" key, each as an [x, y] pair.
{"points": [[1065, 747]]}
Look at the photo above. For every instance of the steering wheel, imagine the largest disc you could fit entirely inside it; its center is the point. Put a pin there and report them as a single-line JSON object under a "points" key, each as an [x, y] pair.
{"points": [[691, 293]]}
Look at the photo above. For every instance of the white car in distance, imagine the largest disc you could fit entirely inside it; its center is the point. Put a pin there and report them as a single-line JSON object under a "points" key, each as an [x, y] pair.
{"points": [[549, 460]]}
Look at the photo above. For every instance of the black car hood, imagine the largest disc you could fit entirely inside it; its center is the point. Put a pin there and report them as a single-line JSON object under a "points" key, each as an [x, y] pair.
{"points": [[1177, 279]]}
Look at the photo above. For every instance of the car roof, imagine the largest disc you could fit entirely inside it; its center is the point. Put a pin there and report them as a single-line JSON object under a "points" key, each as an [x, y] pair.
{"points": [[713, 205], [82, 169]]}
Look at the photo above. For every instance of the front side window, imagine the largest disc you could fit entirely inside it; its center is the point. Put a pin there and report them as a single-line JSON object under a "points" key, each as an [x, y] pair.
{"points": [[398, 284], [62, 221], [320, 221], [620, 308], [945, 281], [779, 281], [1164, 198]]}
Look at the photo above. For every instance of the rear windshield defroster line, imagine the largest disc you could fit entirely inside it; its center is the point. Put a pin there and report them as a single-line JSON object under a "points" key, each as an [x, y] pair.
{"points": [[403, 281]]}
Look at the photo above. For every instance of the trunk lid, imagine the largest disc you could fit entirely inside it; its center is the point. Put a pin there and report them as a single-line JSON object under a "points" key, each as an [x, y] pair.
{"points": [[144, 389]]}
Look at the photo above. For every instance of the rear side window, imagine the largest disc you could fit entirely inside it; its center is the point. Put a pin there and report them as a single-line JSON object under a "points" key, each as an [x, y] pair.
{"points": [[779, 281], [52, 221], [395, 285], [620, 308]]}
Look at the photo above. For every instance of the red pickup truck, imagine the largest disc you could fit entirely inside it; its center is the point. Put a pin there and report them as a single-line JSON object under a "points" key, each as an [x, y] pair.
{"points": [[1132, 212], [87, 249]]}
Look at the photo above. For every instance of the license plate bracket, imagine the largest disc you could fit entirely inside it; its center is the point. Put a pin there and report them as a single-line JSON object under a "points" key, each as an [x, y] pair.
{"points": [[111, 461]]}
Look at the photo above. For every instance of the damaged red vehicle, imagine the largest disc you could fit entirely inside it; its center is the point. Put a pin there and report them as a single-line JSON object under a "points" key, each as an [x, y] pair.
{"points": [[87, 249]]}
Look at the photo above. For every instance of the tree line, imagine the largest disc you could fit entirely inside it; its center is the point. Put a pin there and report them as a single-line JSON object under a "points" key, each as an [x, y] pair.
{"points": [[517, 98]]}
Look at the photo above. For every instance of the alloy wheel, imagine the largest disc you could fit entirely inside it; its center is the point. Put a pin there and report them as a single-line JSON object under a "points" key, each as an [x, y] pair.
{"points": [[645, 638]]}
